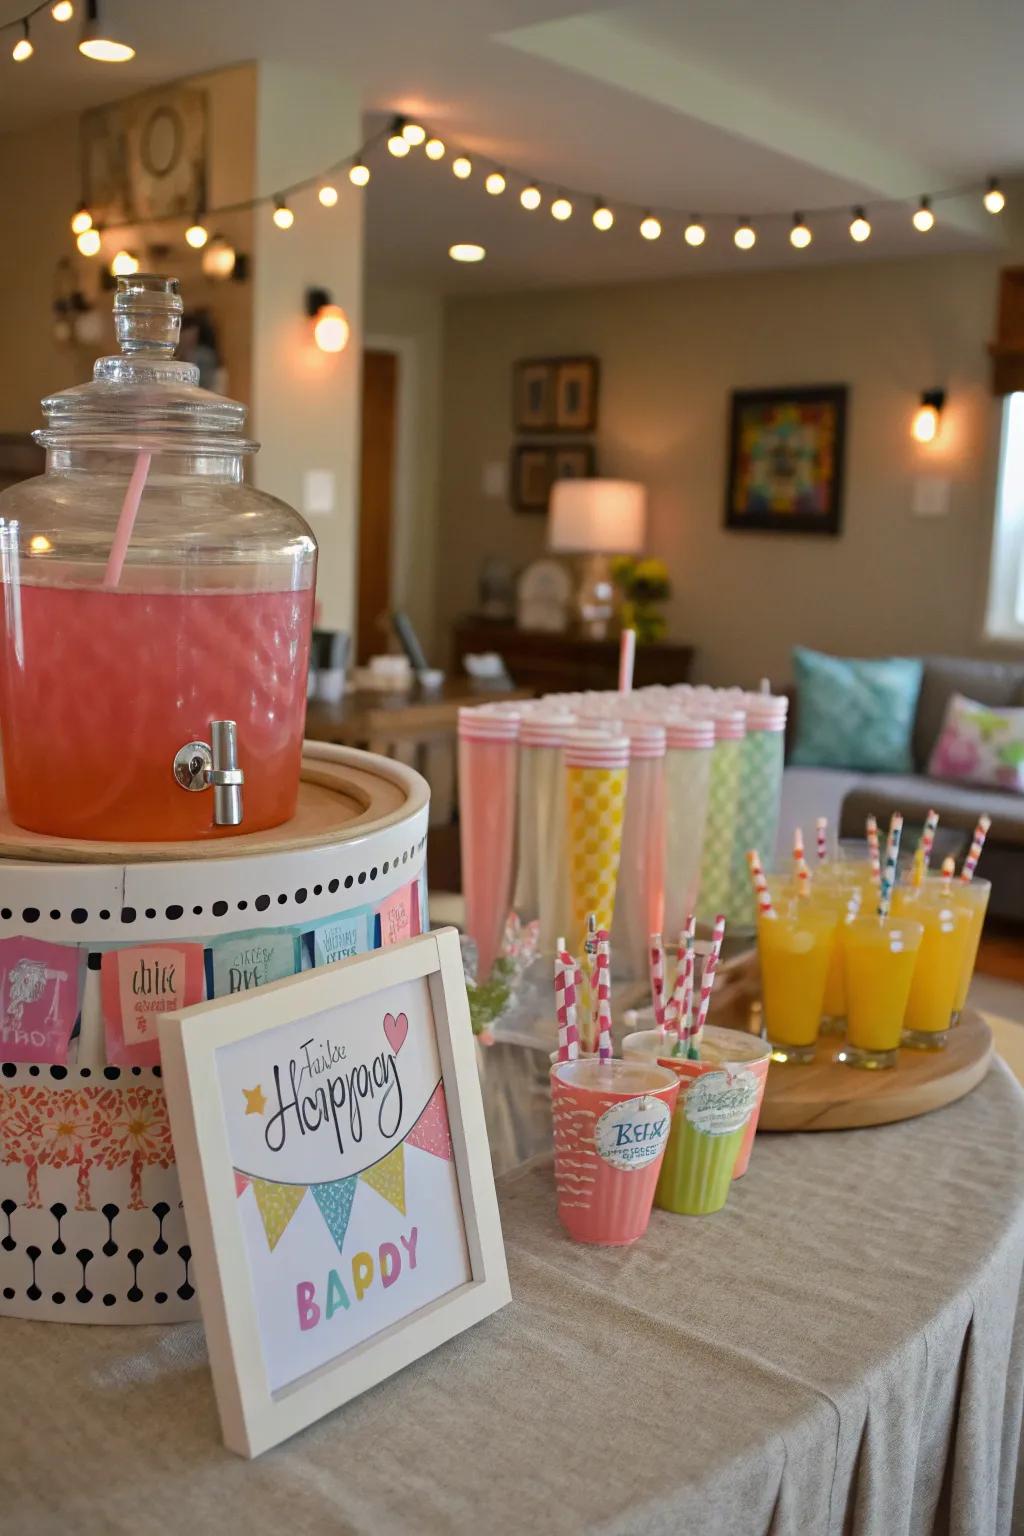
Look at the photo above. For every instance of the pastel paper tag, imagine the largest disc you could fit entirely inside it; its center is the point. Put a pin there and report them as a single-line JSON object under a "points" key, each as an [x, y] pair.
{"points": [[632, 1134], [252, 959], [136, 986], [340, 937], [396, 917], [718, 1103], [38, 999]]}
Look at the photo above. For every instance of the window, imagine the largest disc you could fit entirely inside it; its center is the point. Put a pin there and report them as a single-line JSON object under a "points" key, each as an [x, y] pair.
{"points": [[1005, 617]]}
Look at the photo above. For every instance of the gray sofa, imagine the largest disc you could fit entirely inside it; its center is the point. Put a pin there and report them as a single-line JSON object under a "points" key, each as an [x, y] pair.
{"points": [[847, 797]]}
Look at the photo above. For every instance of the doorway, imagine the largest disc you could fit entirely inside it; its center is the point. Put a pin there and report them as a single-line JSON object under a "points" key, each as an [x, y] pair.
{"points": [[376, 502]]}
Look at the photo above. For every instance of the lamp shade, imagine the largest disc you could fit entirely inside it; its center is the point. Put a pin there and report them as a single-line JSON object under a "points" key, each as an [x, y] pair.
{"points": [[596, 517]]}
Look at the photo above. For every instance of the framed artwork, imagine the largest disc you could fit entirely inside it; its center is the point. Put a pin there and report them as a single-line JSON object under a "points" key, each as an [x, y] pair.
{"points": [[336, 1180], [786, 459], [145, 157], [536, 466], [555, 394]]}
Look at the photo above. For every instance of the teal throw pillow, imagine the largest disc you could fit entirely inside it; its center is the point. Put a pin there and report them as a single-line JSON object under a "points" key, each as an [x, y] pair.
{"points": [[855, 714]]}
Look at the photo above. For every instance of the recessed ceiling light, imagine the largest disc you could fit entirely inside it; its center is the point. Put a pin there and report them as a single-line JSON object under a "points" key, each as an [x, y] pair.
{"points": [[466, 252]]}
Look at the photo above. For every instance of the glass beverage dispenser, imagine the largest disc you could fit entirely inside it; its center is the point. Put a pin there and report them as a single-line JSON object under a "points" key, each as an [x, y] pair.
{"points": [[156, 610]]}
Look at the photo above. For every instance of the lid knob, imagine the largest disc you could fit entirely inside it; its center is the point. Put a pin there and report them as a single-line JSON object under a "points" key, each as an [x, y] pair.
{"points": [[147, 313]]}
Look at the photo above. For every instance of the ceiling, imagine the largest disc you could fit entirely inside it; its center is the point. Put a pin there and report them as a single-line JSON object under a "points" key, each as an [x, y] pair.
{"points": [[721, 106]]}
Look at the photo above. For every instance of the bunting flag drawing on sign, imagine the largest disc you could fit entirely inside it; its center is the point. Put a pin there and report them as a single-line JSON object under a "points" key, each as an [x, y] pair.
{"points": [[277, 1205], [431, 1132], [388, 1178], [241, 1183], [335, 1202]]}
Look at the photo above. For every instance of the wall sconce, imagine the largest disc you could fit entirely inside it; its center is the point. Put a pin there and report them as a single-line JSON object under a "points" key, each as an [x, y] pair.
{"points": [[330, 323], [925, 426]]}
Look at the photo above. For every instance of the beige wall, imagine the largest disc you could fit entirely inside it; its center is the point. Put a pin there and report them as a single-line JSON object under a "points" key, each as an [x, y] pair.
{"points": [[670, 354], [409, 321]]}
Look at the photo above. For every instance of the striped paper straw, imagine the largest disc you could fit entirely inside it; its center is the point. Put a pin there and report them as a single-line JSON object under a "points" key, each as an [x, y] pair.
{"points": [[977, 844], [590, 950], [892, 853], [873, 856], [760, 884], [803, 874], [821, 835], [572, 1029], [948, 866], [604, 1000], [684, 1028], [927, 842], [706, 983], [561, 1013], [656, 956]]}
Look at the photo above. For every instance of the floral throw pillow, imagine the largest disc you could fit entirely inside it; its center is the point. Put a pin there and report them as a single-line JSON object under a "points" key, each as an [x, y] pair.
{"points": [[980, 745]]}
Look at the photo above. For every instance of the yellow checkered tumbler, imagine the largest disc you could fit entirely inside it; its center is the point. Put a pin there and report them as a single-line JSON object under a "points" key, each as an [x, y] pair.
{"points": [[597, 765]]}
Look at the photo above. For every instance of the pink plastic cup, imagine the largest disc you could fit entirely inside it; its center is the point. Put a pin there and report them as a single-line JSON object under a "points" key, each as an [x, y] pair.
{"points": [[611, 1123]]}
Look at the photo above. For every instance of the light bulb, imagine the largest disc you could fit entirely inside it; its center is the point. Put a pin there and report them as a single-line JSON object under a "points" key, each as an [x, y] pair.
{"points": [[98, 44], [495, 183], [434, 149], [81, 221], [197, 235], [219, 258], [530, 198], [328, 195], [923, 217], [398, 145], [62, 11], [695, 233], [561, 209], [800, 236], [650, 227], [283, 216], [331, 328], [22, 49], [466, 252], [602, 216], [124, 264], [925, 425], [359, 174], [745, 236], [994, 200], [39, 544], [88, 242], [461, 167], [414, 134], [860, 228]]}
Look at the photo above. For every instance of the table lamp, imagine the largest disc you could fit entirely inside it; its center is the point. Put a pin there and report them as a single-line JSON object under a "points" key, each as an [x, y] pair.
{"points": [[596, 519]]}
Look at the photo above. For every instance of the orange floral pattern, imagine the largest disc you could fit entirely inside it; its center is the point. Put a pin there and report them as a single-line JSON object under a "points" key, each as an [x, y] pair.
{"points": [[89, 1126]]}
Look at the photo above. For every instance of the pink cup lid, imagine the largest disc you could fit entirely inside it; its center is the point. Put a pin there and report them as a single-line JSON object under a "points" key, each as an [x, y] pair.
{"points": [[546, 729], [730, 724], [646, 737], [489, 722], [689, 732], [596, 749], [766, 711]]}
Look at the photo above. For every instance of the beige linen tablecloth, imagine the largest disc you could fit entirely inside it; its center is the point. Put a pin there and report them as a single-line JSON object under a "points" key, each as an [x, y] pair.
{"points": [[839, 1351]]}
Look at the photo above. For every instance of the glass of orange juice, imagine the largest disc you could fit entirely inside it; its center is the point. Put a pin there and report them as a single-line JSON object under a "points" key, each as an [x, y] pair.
{"points": [[879, 956], [971, 898], [839, 889], [939, 968], [795, 947]]}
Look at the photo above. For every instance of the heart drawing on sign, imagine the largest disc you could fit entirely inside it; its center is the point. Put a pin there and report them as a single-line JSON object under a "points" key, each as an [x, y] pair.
{"points": [[396, 1030]]}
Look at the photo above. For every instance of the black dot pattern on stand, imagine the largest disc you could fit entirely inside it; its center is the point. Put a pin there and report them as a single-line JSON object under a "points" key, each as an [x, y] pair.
{"points": [[30, 914], [85, 1071], [197, 911], [108, 1300], [242, 906], [128, 914], [58, 1297], [79, 915], [58, 1072], [219, 908], [8, 1292], [33, 1071], [105, 914], [332, 886], [55, 914], [262, 903], [282, 898], [112, 1074], [9, 1069], [373, 873], [362, 877], [95, 961], [151, 911], [301, 894], [6, 914], [160, 1297], [318, 890], [172, 913], [348, 882], [385, 867]]}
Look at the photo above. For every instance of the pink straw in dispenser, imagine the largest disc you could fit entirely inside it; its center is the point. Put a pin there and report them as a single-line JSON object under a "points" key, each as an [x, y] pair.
{"points": [[126, 518], [627, 660]]}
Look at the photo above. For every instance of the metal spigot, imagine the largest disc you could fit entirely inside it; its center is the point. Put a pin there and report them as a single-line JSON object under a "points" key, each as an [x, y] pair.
{"points": [[200, 765]]}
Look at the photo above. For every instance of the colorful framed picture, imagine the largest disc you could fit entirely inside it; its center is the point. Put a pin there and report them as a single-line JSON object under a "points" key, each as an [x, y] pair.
{"points": [[786, 451], [336, 1180], [536, 467]]}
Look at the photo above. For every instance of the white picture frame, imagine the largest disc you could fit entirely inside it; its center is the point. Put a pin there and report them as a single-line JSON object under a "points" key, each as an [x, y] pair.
{"points": [[253, 1416]]}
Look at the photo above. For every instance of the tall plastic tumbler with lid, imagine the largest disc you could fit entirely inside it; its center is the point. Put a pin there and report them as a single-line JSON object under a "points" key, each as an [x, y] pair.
{"points": [[757, 804], [689, 747], [723, 800], [542, 877], [488, 750], [639, 899], [596, 768]]}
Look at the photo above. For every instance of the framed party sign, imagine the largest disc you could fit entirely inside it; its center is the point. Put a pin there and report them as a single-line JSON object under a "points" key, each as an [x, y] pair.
{"points": [[336, 1178]]}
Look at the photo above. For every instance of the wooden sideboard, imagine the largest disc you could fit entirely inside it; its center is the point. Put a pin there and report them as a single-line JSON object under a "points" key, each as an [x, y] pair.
{"points": [[553, 663]]}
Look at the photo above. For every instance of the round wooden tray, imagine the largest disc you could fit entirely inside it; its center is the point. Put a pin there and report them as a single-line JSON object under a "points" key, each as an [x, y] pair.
{"points": [[825, 1096], [343, 794]]}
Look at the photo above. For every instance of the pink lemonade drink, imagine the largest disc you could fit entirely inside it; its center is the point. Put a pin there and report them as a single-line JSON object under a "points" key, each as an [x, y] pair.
{"points": [[488, 761], [611, 1127], [720, 1049], [100, 688]]}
